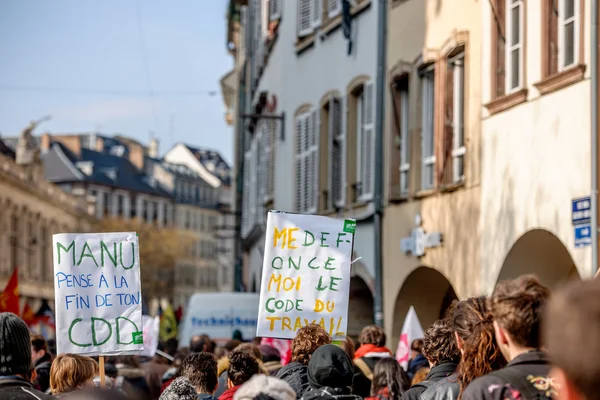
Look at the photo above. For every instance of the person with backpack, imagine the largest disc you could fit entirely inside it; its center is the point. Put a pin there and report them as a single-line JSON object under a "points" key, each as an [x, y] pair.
{"points": [[42, 361], [390, 380], [439, 347], [516, 307], [372, 349]]}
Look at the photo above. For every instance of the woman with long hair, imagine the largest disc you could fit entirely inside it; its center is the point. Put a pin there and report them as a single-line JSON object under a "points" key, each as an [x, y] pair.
{"points": [[474, 333], [389, 380]]}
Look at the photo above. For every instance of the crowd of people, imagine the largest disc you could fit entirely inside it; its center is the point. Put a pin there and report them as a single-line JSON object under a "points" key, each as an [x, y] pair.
{"points": [[522, 342]]}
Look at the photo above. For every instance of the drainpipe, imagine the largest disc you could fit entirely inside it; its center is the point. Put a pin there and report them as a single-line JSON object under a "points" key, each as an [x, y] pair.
{"points": [[239, 186], [379, 157], [594, 108]]}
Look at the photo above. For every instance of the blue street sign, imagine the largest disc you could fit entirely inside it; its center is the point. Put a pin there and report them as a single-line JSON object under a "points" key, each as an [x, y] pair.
{"points": [[581, 211], [583, 235]]}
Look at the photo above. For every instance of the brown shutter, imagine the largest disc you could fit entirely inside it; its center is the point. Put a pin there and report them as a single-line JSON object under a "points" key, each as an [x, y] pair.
{"points": [[448, 125], [553, 38], [500, 67]]}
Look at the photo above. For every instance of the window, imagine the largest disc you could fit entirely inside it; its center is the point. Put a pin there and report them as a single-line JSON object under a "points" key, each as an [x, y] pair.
{"points": [[563, 27], [514, 48], [310, 13], [269, 158], [274, 9], [366, 145], [336, 133], [306, 162], [334, 8], [400, 103], [427, 128], [455, 99]]}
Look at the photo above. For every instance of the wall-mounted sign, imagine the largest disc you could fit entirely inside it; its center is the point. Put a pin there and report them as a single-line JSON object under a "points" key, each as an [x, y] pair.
{"points": [[583, 235], [418, 240], [581, 210]]}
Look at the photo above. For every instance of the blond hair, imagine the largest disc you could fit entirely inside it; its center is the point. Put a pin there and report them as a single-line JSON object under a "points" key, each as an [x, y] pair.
{"points": [[68, 371]]}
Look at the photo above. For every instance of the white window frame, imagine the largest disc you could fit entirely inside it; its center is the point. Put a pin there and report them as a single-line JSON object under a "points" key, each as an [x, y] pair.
{"points": [[365, 122], [334, 8], [306, 147], [404, 142], [562, 24], [458, 125], [338, 139], [427, 128], [510, 47], [317, 13], [275, 9], [309, 28]]}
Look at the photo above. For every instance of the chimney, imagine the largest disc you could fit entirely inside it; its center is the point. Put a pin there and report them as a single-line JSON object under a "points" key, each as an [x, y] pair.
{"points": [[153, 148], [71, 142], [45, 142], [136, 155]]}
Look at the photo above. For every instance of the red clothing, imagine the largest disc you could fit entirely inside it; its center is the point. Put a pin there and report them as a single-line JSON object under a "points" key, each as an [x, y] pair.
{"points": [[384, 394], [228, 394], [166, 385], [370, 348]]}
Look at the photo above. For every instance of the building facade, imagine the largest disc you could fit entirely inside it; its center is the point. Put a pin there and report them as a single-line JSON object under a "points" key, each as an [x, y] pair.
{"points": [[431, 225], [31, 211], [536, 152]]}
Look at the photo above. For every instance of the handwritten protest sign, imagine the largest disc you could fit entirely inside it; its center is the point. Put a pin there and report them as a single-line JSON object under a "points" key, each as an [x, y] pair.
{"points": [[306, 275], [98, 293]]}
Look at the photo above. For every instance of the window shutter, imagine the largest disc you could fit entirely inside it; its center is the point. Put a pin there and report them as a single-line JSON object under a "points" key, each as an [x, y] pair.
{"points": [[269, 157], [446, 145], [313, 162], [305, 17], [317, 13], [334, 8], [253, 184], [552, 38], [246, 195], [261, 174], [367, 142], [337, 152], [299, 163], [501, 32], [274, 10]]}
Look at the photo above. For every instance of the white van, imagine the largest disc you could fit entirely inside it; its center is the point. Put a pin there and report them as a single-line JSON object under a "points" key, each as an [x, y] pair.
{"points": [[218, 315]]}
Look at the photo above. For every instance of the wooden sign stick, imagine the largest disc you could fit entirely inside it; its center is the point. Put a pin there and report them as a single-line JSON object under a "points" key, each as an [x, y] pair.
{"points": [[102, 375]]}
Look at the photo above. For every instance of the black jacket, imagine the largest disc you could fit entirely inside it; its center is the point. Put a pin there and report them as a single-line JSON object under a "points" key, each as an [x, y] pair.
{"points": [[42, 369], [416, 364], [205, 396], [296, 375], [445, 389], [15, 388], [525, 377], [436, 374], [361, 385]]}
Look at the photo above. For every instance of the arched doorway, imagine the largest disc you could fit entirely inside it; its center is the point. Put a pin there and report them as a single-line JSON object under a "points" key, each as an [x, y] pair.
{"points": [[541, 253], [360, 306], [429, 292]]}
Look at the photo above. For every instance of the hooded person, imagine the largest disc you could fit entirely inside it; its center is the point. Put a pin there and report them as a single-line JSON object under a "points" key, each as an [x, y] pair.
{"points": [[179, 389], [16, 369], [308, 339], [330, 375], [263, 386]]}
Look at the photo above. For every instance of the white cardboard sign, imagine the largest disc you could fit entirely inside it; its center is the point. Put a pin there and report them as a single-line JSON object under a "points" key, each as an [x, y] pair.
{"points": [[98, 293], [306, 275], [151, 333]]}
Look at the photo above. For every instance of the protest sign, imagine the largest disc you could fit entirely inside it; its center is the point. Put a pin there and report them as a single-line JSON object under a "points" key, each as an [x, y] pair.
{"points": [[151, 330], [306, 275], [98, 293]]}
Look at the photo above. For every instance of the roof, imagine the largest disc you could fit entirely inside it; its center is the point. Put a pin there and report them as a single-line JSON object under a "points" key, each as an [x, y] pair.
{"points": [[62, 165], [212, 161], [7, 150]]}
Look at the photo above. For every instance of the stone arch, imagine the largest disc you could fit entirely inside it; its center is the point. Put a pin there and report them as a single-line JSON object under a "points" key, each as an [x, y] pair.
{"points": [[539, 252], [429, 292], [357, 83], [360, 306]]}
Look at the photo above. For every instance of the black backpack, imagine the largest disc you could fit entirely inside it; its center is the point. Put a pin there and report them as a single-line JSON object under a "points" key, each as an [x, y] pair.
{"points": [[525, 386]]}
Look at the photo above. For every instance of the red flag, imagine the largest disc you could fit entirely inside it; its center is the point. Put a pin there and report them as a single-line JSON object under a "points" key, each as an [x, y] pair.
{"points": [[179, 313], [9, 298], [28, 315]]}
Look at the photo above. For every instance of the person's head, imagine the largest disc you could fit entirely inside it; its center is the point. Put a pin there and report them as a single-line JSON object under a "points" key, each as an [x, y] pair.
{"points": [[330, 366], [439, 345], [571, 333], [388, 374], [232, 344], [15, 347], [308, 339], [348, 346], [179, 389], [237, 335], [200, 343], [269, 353], [220, 352], [70, 372], [420, 376], [474, 333], [252, 349], [39, 348], [242, 367], [266, 387], [516, 306], [201, 370], [180, 356], [372, 334], [416, 348]]}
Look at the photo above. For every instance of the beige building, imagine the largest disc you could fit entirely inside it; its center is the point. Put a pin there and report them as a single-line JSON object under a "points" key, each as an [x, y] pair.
{"points": [[536, 150], [431, 248], [31, 211]]}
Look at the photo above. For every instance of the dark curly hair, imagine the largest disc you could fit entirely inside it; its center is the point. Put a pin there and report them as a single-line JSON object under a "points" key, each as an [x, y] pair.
{"points": [[372, 334], [439, 345], [307, 340], [242, 367], [474, 326], [201, 370], [250, 348]]}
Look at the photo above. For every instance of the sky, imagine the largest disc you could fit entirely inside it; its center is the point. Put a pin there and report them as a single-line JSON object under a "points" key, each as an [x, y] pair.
{"points": [[90, 66]]}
